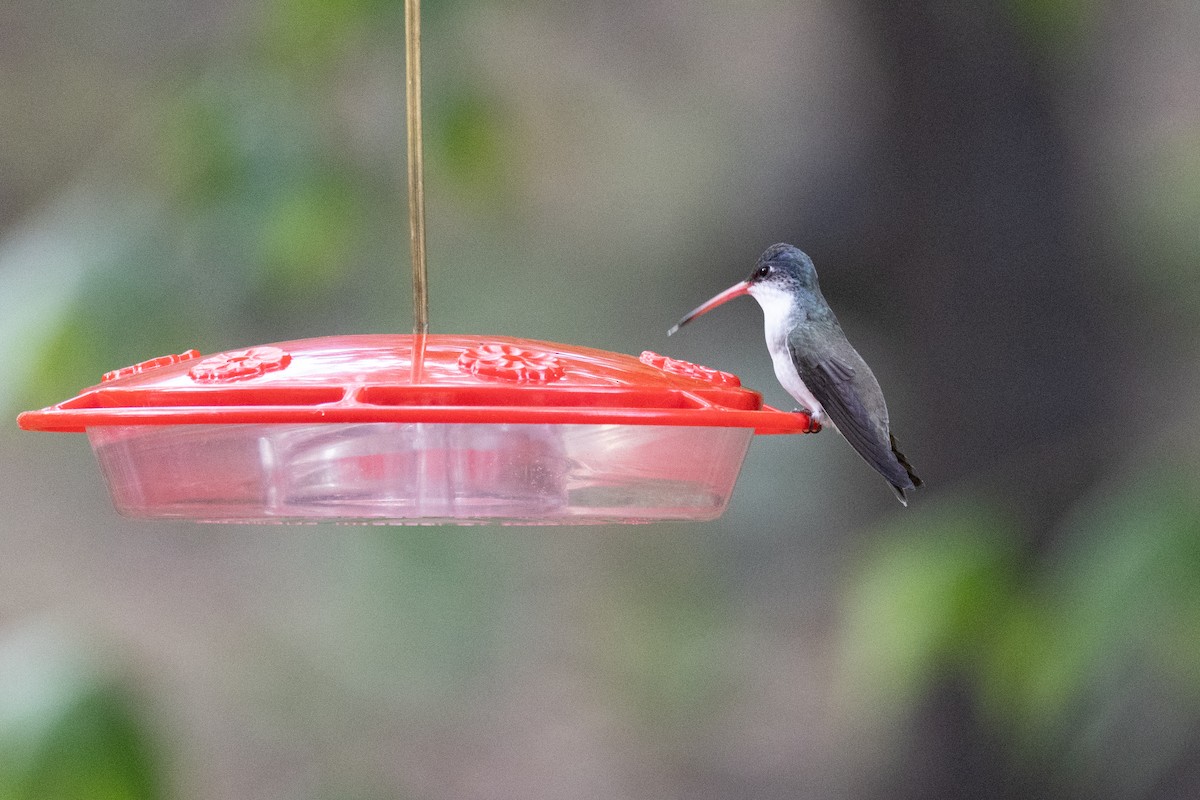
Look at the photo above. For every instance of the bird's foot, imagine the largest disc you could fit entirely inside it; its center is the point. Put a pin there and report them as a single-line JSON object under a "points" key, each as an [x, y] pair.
{"points": [[814, 420]]}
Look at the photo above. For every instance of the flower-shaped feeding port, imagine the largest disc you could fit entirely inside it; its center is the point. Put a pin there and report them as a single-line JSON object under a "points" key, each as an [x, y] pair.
{"points": [[678, 367], [484, 430], [238, 364], [508, 362]]}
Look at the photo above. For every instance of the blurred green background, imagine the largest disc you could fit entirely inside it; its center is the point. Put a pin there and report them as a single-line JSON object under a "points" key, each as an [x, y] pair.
{"points": [[1003, 200]]}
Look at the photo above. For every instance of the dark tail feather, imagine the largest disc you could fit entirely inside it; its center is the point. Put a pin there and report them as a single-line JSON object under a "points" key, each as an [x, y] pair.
{"points": [[912, 476], [904, 463]]}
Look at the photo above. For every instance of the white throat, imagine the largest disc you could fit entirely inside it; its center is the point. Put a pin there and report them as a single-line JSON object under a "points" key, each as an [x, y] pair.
{"points": [[778, 307]]}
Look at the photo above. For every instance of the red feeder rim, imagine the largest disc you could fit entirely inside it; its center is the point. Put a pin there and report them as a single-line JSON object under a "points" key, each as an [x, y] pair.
{"points": [[456, 379]]}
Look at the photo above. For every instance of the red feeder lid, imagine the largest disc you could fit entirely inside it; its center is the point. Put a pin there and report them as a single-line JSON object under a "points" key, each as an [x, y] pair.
{"points": [[457, 379]]}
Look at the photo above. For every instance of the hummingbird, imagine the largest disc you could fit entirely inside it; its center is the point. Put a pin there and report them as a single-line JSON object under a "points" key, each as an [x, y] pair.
{"points": [[815, 362]]}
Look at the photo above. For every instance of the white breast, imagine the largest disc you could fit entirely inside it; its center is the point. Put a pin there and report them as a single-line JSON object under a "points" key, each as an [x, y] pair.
{"points": [[777, 316]]}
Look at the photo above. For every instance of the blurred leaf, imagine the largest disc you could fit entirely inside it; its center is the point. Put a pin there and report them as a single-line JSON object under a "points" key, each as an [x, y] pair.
{"points": [[307, 235], [97, 749], [196, 152], [67, 733], [67, 363], [308, 33], [1127, 583], [1057, 27], [1093, 672], [928, 594], [236, 134], [471, 141], [1087, 670]]}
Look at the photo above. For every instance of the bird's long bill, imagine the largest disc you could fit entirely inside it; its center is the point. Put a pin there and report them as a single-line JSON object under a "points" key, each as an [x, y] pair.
{"points": [[737, 290]]}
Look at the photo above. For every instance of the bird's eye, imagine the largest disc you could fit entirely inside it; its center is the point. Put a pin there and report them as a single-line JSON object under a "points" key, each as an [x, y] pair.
{"points": [[763, 271]]}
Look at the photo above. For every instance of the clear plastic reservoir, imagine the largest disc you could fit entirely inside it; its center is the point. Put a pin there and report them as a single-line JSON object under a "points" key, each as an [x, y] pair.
{"points": [[421, 472]]}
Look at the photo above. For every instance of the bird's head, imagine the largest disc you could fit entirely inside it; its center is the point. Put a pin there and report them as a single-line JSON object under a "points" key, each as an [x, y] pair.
{"points": [[782, 278], [783, 271]]}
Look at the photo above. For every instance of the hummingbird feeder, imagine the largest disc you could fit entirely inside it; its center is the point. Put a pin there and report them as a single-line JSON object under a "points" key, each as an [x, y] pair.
{"points": [[420, 428]]}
